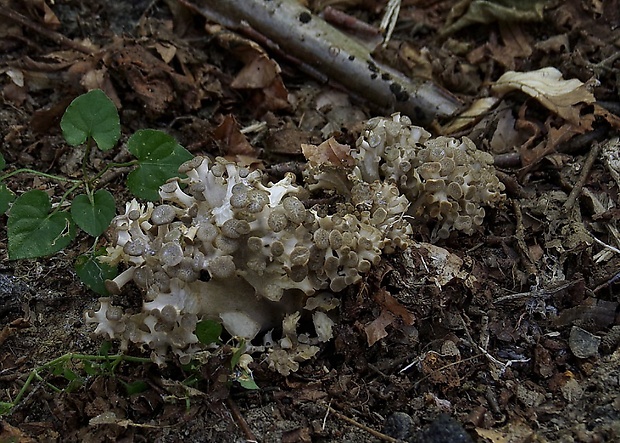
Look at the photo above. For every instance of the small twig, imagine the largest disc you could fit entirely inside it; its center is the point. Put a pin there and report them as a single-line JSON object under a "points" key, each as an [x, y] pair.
{"points": [[344, 20], [329, 406], [502, 366], [605, 64], [508, 160], [513, 187], [520, 237], [611, 248], [587, 166], [54, 36], [614, 233], [374, 433], [609, 282], [537, 293], [234, 409]]}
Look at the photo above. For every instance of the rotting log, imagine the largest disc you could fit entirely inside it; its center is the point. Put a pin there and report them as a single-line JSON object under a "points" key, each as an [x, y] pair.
{"points": [[327, 53]]}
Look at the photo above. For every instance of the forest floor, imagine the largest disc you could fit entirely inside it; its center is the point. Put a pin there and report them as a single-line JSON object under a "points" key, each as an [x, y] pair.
{"points": [[518, 344]]}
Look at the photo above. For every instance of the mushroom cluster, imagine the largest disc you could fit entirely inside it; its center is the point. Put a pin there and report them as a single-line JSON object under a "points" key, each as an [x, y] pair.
{"points": [[226, 245], [446, 180]]}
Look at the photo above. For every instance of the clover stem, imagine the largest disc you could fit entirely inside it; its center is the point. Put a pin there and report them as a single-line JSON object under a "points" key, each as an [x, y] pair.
{"points": [[86, 157], [65, 195], [39, 173], [113, 165]]}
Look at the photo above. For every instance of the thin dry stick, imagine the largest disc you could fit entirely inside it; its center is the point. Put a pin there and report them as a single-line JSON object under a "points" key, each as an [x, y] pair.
{"points": [[379, 435], [54, 36], [520, 237], [587, 166], [313, 41], [234, 409]]}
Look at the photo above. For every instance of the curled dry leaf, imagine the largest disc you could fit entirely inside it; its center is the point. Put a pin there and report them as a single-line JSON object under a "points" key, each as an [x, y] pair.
{"points": [[260, 73], [231, 140], [375, 330], [391, 310], [329, 152], [387, 301], [470, 116], [547, 86]]}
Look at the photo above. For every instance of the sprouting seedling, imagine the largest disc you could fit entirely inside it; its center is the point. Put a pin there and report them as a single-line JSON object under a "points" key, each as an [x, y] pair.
{"points": [[65, 369], [38, 227]]}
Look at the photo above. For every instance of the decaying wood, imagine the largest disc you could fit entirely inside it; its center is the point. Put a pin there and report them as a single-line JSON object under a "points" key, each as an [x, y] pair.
{"points": [[320, 47]]}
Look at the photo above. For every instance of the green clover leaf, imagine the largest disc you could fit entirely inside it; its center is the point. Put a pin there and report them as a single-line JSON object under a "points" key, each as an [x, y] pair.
{"points": [[93, 273], [35, 232], [159, 157], [208, 331], [94, 215], [91, 115]]}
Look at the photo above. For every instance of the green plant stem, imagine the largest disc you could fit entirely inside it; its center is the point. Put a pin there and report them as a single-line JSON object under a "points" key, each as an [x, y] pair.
{"points": [[39, 173], [86, 157], [64, 197], [114, 165], [35, 373]]}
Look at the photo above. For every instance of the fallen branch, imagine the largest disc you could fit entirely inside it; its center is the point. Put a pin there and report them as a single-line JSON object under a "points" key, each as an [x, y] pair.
{"points": [[8, 13], [320, 47]]}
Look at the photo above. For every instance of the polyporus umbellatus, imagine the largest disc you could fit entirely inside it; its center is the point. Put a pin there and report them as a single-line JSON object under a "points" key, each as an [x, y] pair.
{"points": [[446, 180], [225, 245]]}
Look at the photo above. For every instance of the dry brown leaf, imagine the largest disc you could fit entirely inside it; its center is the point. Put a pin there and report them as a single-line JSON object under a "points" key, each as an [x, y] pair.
{"points": [[166, 51], [48, 17], [555, 136], [611, 118], [547, 86], [110, 418], [329, 152], [375, 330], [515, 431], [470, 116], [10, 433], [230, 139], [272, 98], [257, 74], [387, 301], [260, 74]]}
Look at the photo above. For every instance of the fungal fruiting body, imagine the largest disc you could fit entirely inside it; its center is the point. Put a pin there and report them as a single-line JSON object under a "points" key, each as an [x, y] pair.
{"points": [[446, 180], [227, 246]]}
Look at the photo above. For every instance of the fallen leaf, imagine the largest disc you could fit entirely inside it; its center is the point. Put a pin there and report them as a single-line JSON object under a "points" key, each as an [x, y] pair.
{"points": [[257, 74], [516, 45], [230, 139], [48, 17], [110, 418], [329, 152], [375, 330], [486, 11], [547, 86], [470, 116], [166, 51], [555, 137], [9, 433], [387, 301]]}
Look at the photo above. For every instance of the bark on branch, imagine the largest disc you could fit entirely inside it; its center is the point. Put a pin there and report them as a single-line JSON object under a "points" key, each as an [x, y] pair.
{"points": [[338, 57]]}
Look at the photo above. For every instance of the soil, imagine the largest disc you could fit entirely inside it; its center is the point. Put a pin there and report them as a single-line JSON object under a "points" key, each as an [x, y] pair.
{"points": [[519, 345]]}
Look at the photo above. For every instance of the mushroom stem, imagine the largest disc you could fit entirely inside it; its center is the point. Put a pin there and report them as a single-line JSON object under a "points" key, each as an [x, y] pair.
{"points": [[114, 286]]}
